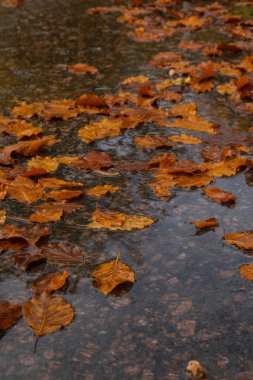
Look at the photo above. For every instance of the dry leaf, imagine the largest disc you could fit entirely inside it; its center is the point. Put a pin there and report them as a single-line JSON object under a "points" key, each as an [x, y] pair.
{"points": [[243, 240], [46, 315], [111, 274], [99, 191], [94, 161], [220, 196], [246, 272], [9, 313], [118, 221], [25, 190]]}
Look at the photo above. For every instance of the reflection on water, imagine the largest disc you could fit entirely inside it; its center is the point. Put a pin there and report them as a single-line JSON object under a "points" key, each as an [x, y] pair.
{"points": [[189, 301]]}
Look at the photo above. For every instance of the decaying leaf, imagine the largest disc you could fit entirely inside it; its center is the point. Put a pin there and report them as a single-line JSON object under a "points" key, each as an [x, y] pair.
{"points": [[118, 221], [49, 164], [111, 274], [49, 283], [29, 235], [243, 240], [94, 161], [99, 191], [220, 196], [62, 195], [153, 141], [212, 222], [27, 256], [9, 313], [47, 314], [64, 253], [246, 272]]}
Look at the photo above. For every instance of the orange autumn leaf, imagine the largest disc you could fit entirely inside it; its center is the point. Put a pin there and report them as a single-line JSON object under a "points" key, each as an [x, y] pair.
{"points": [[212, 222], [100, 130], [9, 313], [93, 160], [185, 139], [82, 68], [90, 100], [50, 282], [3, 216], [136, 79], [25, 190], [56, 183], [12, 3], [220, 196], [62, 195], [193, 124], [118, 221], [153, 141], [3, 190], [246, 272], [99, 191], [228, 167], [111, 274], [243, 240], [19, 128], [50, 164], [47, 314], [43, 216]]}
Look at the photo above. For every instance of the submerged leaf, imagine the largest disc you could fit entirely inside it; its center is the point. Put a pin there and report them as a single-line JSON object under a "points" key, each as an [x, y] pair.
{"points": [[9, 313]]}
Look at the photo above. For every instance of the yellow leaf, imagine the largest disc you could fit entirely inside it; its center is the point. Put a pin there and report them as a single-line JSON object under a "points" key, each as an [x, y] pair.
{"points": [[246, 271], [243, 240]]}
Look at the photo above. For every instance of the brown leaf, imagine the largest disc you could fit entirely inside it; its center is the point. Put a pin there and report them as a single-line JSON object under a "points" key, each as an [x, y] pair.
{"points": [[27, 256], [90, 100], [99, 191], [243, 240], [111, 274], [31, 235], [46, 315], [49, 164], [118, 221], [220, 196], [246, 272], [3, 216], [49, 283], [63, 253], [25, 190], [212, 222], [94, 161], [3, 191], [185, 139], [12, 3], [153, 141], [9, 313], [82, 68], [43, 215]]}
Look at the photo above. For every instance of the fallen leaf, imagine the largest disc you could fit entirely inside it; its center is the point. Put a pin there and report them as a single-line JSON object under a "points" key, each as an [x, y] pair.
{"points": [[246, 272], [9, 313], [195, 369], [64, 253], [243, 240], [50, 164], [3, 216], [111, 274], [94, 161], [82, 68], [31, 235], [12, 3], [212, 222], [185, 139], [49, 283], [56, 183], [90, 100], [153, 141], [220, 196], [46, 315], [27, 256], [62, 195], [46, 215], [25, 190], [118, 221], [99, 191]]}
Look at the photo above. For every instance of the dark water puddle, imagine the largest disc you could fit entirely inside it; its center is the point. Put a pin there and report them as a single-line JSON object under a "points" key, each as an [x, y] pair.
{"points": [[189, 301]]}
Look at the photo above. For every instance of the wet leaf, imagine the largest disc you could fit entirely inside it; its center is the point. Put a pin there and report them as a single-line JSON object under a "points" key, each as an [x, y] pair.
{"points": [[185, 139], [49, 164], [3, 190], [220, 196], [3, 216], [25, 190], [49, 283], [31, 235], [12, 3], [46, 315], [91, 100], [243, 240], [118, 221], [82, 68], [56, 183], [99, 191], [94, 161], [46, 215], [246, 272], [212, 222], [111, 274], [153, 141], [9, 313], [62, 195], [27, 256], [64, 253]]}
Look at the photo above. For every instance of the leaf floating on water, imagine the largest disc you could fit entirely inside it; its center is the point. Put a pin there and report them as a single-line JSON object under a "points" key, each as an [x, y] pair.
{"points": [[47, 314], [25, 190], [220, 196], [62, 195], [212, 222], [27, 256], [56, 183], [9, 313], [246, 272], [185, 139], [243, 240], [118, 221], [153, 141], [49, 283], [82, 68], [111, 274], [99, 191], [49, 164]]}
